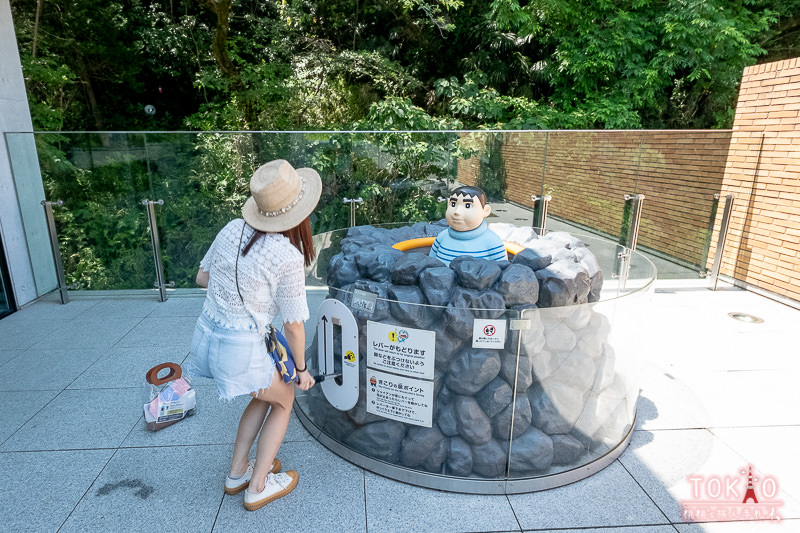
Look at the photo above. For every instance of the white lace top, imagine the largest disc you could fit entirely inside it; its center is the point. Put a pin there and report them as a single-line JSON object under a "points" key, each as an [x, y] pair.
{"points": [[271, 280]]}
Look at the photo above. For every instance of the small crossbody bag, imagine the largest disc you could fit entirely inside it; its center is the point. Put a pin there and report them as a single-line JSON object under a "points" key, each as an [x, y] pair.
{"points": [[277, 345]]}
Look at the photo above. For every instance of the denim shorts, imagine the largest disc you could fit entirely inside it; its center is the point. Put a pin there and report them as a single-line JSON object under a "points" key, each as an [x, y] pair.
{"points": [[236, 360]]}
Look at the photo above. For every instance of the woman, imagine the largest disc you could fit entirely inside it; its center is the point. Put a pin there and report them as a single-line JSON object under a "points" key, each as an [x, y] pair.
{"points": [[253, 271]]}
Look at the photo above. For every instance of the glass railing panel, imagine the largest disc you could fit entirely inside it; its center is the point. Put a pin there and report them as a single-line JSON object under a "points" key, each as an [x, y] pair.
{"points": [[578, 365], [679, 174], [509, 166], [587, 174], [102, 226]]}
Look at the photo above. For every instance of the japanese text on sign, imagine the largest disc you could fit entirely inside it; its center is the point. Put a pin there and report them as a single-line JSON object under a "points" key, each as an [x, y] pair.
{"points": [[398, 398], [400, 350]]}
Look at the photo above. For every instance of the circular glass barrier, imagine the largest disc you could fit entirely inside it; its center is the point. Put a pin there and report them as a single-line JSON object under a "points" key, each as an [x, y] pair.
{"points": [[490, 377]]}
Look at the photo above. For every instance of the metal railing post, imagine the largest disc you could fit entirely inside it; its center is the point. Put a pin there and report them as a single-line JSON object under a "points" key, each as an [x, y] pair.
{"points": [[723, 237], [707, 243], [51, 230], [353, 202], [629, 236], [540, 204], [151, 220]]}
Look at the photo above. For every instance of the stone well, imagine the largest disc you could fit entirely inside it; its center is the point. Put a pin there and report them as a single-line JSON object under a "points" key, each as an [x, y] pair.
{"points": [[484, 377]]}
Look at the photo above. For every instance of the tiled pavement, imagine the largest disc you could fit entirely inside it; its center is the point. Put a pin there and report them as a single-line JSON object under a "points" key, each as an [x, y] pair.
{"points": [[716, 394]]}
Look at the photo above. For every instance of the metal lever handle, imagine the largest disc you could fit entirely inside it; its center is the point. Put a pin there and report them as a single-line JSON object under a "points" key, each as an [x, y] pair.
{"points": [[322, 377]]}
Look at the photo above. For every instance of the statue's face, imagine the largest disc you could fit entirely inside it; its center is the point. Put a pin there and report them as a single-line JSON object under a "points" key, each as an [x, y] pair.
{"points": [[465, 213]]}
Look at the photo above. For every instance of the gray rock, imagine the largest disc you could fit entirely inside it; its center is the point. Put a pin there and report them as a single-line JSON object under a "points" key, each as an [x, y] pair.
{"points": [[563, 283], [376, 261], [459, 458], [342, 271], [532, 451], [518, 286], [407, 304], [473, 424], [578, 317], [446, 419], [359, 414], [501, 424], [522, 374], [379, 440], [407, 268], [559, 336], [332, 421], [471, 370], [437, 285], [467, 304], [418, 443], [435, 459], [555, 407], [447, 345], [494, 397], [535, 259], [576, 370], [564, 239], [566, 449], [489, 459], [472, 273]]}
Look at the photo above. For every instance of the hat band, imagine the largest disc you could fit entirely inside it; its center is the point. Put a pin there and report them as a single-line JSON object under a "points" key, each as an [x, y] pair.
{"points": [[288, 207]]}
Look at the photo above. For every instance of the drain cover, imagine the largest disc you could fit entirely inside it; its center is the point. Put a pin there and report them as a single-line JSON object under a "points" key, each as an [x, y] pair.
{"points": [[744, 317]]}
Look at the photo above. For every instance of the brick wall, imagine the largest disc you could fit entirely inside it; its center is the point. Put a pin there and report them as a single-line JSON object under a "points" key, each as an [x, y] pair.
{"points": [[763, 174], [588, 173]]}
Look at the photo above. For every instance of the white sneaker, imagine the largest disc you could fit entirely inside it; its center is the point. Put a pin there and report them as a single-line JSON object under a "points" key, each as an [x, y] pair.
{"points": [[277, 486], [235, 486]]}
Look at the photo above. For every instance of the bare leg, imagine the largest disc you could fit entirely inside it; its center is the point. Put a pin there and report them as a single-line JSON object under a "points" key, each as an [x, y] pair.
{"points": [[249, 426], [280, 397]]}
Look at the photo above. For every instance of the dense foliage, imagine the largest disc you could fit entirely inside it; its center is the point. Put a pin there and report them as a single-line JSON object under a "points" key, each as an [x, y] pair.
{"points": [[305, 65], [310, 64]]}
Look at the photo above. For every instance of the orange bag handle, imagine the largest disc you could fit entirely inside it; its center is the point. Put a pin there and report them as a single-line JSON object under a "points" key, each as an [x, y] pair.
{"points": [[174, 373]]}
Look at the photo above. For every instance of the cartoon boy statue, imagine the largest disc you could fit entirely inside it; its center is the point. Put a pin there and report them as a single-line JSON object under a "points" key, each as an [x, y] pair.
{"points": [[468, 233]]}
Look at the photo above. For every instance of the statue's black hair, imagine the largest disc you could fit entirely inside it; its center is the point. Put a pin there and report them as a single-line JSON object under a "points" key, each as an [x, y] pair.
{"points": [[472, 191]]}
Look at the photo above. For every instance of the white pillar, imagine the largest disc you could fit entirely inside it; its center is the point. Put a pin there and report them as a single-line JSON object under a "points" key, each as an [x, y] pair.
{"points": [[22, 224]]}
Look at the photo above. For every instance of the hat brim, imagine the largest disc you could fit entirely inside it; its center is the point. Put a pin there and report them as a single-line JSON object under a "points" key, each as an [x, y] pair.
{"points": [[293, 216]]}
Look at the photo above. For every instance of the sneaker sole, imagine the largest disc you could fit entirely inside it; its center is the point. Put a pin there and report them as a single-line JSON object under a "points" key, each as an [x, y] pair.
{"points": [[276, 467], [252, 506]]}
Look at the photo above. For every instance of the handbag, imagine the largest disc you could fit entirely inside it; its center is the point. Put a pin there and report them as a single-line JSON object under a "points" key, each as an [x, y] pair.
{"points": [[277, 345]]}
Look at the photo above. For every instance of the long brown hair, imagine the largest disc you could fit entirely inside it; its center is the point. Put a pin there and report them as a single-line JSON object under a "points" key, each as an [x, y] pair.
{"points": [[299, 236]]}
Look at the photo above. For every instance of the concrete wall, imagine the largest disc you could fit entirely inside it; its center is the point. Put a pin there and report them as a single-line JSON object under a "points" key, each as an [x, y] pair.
{"points": [[22, 222], [763, 174]]}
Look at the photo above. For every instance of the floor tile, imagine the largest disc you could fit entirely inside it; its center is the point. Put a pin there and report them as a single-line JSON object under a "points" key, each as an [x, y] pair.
{"points": [[171, 489], [48, 309], [328, 497], [161, 331], [395, 506], [121, 308], [609, 498], [629, 529], [18, 408], [772, 450], [740, 527], [127, 366], [662, 462], [748, 398], [94, 333], [80, 419], [45, 369], [22, 334], [8, 355], [215, 422], [179, 306], [23, 506]]}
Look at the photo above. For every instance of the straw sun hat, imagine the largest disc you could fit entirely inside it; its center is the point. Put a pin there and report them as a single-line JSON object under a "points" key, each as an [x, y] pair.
{"points": [[282, 197]]}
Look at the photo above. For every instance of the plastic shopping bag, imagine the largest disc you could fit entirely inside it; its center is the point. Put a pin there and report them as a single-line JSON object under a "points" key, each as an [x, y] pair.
{"points": [[169, 399]]}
